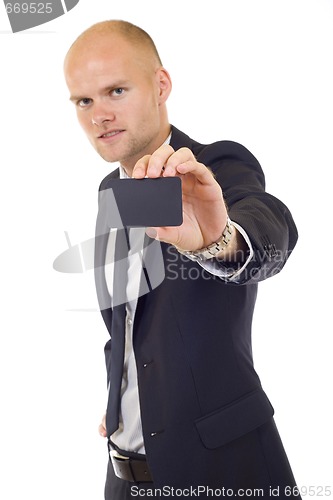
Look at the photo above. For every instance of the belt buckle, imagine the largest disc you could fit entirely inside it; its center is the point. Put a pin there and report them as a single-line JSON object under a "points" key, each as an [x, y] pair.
{"points": [[121, 466], [116, 455]]}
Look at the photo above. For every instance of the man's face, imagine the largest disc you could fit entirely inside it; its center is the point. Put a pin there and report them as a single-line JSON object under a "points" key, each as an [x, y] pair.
{"points": [[117, 93]]}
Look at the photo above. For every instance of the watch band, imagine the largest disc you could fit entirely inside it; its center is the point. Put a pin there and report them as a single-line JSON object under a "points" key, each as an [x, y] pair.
{"points": [[214, 248]]}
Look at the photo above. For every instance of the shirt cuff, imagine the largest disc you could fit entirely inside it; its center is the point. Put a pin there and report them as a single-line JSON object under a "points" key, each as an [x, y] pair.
{"points": [[225, 270]]}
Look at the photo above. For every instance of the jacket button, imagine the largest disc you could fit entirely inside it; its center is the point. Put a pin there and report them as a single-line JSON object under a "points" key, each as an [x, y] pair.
{"points": [[153, 434], [147, 364]]}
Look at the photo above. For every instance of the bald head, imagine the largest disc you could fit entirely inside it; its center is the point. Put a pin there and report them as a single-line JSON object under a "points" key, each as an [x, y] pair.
{"points": [[111, 31]]}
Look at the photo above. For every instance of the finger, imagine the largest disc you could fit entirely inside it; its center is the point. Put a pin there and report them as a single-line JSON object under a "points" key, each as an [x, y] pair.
{"points": [[182, 155], [199, 170], [140, 168], [102, 430], [153, 165], [102, 427], [158, 160]]}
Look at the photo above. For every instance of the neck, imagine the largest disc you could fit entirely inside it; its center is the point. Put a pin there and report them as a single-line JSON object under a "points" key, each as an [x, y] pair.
{"points": [[155, 144]]}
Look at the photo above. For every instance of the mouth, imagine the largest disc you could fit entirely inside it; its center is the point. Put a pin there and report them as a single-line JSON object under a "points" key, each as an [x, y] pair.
{"points": [[110, 134]]}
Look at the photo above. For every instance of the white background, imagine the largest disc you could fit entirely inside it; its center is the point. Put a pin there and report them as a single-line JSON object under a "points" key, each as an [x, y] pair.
{"points": [[257, 72]]}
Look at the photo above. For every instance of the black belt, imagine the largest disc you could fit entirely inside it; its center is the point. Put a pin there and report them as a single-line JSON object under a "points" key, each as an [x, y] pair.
{"points": [[131, 469]]}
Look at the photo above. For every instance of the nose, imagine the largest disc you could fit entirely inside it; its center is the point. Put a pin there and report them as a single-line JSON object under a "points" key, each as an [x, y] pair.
{"points": [[101, 113]]}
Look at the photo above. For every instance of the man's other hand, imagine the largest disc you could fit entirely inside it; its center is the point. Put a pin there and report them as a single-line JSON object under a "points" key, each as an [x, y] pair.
{"points": [[102, 427]]}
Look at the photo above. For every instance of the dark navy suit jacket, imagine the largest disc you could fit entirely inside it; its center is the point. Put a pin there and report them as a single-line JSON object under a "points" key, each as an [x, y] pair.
{"points": [[199, 392]]}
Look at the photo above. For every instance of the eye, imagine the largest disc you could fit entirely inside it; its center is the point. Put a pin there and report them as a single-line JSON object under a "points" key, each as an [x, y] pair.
{"points": [[83, 103], [118, 91]]}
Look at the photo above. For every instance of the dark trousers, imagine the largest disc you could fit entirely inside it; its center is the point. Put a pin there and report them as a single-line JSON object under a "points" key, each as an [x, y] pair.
{"points": [[271, 475]]}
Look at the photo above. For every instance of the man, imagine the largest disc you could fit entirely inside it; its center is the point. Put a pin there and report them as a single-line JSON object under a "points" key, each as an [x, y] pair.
{"points": [[187, 411]]}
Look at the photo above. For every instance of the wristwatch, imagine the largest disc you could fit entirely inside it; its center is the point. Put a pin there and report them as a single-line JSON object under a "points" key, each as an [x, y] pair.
{"points": [[214, 248]]}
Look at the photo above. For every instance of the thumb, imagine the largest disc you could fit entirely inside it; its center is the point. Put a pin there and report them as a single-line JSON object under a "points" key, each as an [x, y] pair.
{"points": [[151, 232], [166, 234]]}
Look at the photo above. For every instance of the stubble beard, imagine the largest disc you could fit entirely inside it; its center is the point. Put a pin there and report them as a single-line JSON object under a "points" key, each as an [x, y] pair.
{"points": [[134, 151]]}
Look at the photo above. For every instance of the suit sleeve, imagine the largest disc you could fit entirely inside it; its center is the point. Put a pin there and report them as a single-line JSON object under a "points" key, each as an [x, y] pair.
{"points": [[266, 220]]}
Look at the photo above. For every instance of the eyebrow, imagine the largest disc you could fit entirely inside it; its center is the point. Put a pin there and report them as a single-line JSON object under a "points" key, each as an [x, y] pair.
{"points": [[107, 89]]}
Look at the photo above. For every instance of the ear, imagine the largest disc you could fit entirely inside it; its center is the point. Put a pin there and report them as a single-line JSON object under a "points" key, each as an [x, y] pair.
{"points": [[164, 84]]}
